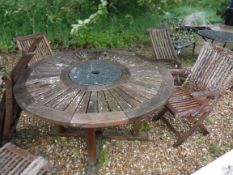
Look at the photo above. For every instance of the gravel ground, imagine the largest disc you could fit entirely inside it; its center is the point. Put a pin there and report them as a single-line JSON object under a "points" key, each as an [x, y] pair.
{"points": [[157, 156], [154, 157]]}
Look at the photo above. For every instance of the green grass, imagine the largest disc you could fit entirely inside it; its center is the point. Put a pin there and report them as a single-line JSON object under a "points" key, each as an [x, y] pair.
{"points": [[111, 31], [117, 32]]}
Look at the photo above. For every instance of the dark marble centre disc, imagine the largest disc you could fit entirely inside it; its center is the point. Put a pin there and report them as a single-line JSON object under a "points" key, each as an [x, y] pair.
{"points": [[95, 73]]}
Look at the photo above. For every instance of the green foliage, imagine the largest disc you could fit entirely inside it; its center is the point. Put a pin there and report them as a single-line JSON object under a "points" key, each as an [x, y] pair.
{"points": [[199, 141], [138, 142], [223, 147], [135, 7], [21, 17], [213, 149], [116, 32], [123, 27], [210, 4], [103, 158], [145, 126], [62, 139], [75, 153]]}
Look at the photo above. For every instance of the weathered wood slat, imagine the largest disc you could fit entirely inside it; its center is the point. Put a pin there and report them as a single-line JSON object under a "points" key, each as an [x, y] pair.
{"points": [[58, 99], [162, 45], [68, 98], [19, 161], [18, 167], [75, 103], [102, 103], [112, 103], [130, 100], [121, 101], [41, 49], [147, 90], [152, 86], [82, 107], [104, 119], [138, 95], [40, 96], [93, 103]]}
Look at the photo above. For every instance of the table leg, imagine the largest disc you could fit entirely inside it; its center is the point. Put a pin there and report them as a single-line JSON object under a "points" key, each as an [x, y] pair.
{"points": [[91, 146], [136, 127], [224, 45]]}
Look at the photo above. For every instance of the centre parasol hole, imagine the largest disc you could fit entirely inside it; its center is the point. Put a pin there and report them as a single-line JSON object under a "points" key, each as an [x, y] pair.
{"points": [[95, 72]]}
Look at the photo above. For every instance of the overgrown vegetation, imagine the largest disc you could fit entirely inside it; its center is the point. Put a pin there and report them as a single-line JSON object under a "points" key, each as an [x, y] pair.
{"points": [[122, 27]]}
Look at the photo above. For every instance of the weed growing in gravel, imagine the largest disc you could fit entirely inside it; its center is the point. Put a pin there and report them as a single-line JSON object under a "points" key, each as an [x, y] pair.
{"points": [[199, 141], [208, 121], [75, 153], [103, 159], [145, 126], [213, 149], [223, 147], [62, 139], [138, 142]]}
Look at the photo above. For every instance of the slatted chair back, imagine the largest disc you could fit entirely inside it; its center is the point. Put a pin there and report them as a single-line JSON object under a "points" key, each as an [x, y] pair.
{"points": [[162, 44], [213, 69], [14, 160], [9, 110], [24, 43]]}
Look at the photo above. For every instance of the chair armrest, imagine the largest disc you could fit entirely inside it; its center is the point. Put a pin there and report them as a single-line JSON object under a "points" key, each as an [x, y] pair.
{"points": [[183, 72], [28, 53], [215, 93]]}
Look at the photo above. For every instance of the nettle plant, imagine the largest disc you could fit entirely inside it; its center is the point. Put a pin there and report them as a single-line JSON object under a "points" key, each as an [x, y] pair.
{"points": [[92, 18]]}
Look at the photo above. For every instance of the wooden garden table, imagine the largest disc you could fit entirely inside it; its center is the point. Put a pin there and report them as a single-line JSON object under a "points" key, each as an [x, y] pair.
{"points": [[93, 89]]}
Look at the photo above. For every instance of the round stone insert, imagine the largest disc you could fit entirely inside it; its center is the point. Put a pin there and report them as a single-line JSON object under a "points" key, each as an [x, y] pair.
{"points": [[95, 73]]}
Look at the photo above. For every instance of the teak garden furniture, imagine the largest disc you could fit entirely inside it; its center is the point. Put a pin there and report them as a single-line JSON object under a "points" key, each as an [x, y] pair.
{"points": [[9, 110], [43, 49], [14, 160], [209, 78], [93, 89], [165, 49]]}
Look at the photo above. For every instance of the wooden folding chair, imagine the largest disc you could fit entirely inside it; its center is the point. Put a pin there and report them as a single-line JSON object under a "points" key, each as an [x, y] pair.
{"points": [[43, 49], [9, 110], [163, 48], [210, 77], [14, 160]]}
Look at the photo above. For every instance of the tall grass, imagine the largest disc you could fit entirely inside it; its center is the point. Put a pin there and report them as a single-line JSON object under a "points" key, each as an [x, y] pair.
{"points": [[115, 30], [118, 31]]}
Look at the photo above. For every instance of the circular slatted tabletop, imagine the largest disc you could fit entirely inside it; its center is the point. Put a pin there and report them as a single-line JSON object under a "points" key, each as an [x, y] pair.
{"points": [[93, 88]]}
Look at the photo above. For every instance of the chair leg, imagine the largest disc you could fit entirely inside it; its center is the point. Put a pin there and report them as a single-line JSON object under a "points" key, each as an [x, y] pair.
{"points": [[165, 121], [170, 126], [201, 126], [224, 45], [160, 114], [189, 132], [194, 46]]}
